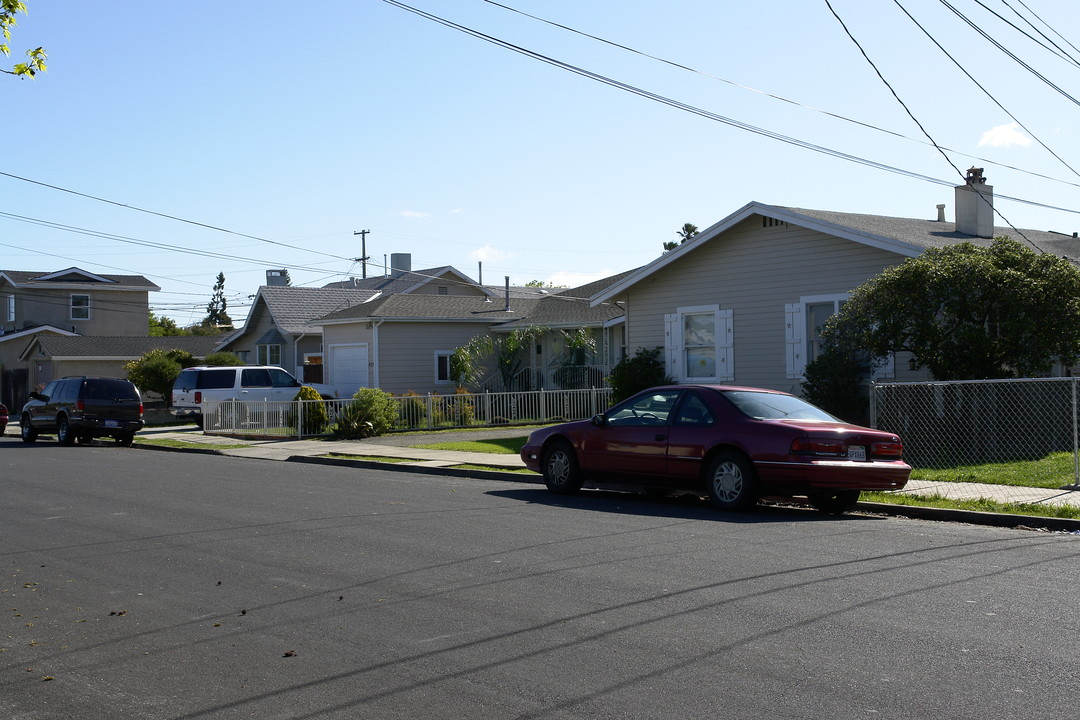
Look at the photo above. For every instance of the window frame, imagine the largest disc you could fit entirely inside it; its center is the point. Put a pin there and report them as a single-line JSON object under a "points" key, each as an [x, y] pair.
{"points": [[264, 354], [439, 355], [85, 308], [10, 308], [723, 344]]}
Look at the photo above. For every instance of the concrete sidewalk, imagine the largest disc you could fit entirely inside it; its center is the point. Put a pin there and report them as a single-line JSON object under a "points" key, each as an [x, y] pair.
{"points": [[399, 447]]}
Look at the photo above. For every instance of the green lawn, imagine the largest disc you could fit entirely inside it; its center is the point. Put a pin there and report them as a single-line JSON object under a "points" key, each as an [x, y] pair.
{"points": [[183, 444], [1052, 471], [500, 446]]}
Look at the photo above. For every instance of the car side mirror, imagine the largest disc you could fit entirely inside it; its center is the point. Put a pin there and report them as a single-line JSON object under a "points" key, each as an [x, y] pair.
{"points": [[599, 420], [35, 395]]}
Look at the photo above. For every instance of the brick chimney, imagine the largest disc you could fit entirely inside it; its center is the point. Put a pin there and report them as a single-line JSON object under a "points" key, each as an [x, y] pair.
{"points": [[975, 205]]}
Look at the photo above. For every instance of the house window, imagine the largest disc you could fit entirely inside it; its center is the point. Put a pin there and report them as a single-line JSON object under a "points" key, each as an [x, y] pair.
{"points": [[804, 323], [9, 309], [268, 354], [698, 344], [80, 307], [442, 367]]}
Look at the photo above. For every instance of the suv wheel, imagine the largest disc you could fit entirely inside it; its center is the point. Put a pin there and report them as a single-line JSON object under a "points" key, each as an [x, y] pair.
{"points": [[85, 439], [125, 440], [63, 431], [29, 434]]}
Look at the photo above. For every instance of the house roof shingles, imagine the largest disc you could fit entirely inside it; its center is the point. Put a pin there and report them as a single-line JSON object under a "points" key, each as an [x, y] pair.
{"points": [[294, 308], [26, 278], [123, 347]]}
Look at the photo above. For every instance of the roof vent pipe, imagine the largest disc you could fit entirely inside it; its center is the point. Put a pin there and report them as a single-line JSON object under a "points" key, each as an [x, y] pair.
{"points": [[941, 212], [507, 308]]}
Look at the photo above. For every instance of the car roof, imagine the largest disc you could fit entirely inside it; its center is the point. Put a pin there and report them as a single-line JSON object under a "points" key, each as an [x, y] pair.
{"points": [[718, 388]]}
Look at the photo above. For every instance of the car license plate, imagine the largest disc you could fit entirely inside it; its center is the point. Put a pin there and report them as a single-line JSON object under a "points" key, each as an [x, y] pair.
{"points": [[116, 423], [857, 453]]}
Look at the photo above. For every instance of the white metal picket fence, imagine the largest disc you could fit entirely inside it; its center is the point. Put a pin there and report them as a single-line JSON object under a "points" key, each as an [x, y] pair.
{"points": [[312, 418], [1023, 432]]}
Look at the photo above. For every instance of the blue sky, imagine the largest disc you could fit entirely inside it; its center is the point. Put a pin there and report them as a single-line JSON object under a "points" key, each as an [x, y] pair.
{"points": [[300, 124]]}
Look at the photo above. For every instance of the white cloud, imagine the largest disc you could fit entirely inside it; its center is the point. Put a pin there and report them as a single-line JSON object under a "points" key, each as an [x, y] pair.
{"points": [[489, 254], [414, 215], [1005, 136]]}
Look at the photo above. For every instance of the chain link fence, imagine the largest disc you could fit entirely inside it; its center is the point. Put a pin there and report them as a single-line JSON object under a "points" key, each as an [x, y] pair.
{"points": [[1013, 441]]}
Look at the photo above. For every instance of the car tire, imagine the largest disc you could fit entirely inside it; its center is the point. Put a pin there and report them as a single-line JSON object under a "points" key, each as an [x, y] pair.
{"points": [[562, 475], [64, 436], [125, 440], [834, 502], [731, 482], [29, 434]]}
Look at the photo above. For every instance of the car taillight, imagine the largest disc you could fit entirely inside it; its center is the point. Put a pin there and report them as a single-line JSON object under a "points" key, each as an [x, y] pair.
{"points": [[198, 397], [80, 405], [817, 446], [887, 449], [140, 409]]}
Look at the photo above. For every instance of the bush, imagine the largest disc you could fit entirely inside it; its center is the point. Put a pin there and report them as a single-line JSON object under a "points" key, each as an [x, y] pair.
{"points": [[832, 382], [461, 408], [412, 411], [634, 374], [314, 417], [156, 370], [372, 412], [223, 358]]}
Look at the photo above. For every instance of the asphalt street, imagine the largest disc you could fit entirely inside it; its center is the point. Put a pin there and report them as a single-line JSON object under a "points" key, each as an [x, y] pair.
{"points": [[153, 585]]}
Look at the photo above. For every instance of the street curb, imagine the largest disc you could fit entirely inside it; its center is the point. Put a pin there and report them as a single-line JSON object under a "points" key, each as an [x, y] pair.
{"points": [[162, 448], [972, 517], [417, 469]]}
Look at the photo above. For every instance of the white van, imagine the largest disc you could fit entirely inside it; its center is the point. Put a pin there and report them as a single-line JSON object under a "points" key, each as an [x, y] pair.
{"points": [[241, 382]]}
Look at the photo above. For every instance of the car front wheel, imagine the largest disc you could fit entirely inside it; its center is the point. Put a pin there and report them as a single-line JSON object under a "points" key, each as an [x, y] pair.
{"points": [[29, 434], [731, 482], [834, 502], [561, 473]]}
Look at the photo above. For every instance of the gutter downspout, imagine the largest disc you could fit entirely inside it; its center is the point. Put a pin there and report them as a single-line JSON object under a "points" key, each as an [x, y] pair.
{"points": [[375, 352], [297, 366]]}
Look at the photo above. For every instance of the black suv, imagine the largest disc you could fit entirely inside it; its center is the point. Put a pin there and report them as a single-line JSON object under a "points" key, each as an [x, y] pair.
{"points": [[83, 408]]}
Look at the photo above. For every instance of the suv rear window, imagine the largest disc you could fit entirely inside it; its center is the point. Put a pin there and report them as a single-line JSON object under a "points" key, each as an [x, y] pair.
{"points": [[110, 390], [215, 379], [255, 377]]}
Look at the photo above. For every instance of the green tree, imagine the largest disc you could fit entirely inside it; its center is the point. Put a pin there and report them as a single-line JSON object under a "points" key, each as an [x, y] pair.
{"points": [[686, 232], [634, 374], [509, 351], [542, 284], [161, 326], [216, 317], [157, 369], [35, 58], [222, 358], [967, 312]]}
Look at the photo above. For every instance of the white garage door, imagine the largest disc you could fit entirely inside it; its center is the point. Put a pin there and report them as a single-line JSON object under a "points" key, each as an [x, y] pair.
{"points": [[348, 368]]}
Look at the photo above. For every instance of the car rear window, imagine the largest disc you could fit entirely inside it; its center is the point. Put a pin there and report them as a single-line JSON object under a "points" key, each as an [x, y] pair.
{"points": [[110, 390], [255, 377], [770, 406]]}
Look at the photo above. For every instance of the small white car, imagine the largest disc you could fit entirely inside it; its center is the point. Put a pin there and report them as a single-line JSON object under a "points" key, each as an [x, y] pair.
{"points": [[197, 384]]}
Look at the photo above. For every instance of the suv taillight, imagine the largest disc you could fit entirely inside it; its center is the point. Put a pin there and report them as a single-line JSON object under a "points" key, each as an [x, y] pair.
{"points": [[140, 409], [80, 405], [198, 397]]}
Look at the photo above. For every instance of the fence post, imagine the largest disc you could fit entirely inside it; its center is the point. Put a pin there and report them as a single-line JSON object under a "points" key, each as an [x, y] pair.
{"points": [[300, 420], [873, 404], [1076, 442], [543, 406]]}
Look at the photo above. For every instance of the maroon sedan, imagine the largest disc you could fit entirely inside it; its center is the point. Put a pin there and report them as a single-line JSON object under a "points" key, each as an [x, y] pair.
{"points": [[3, 418], [736, 444]]}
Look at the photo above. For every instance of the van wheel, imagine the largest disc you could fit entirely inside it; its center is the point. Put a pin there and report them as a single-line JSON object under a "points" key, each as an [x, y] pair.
{"points": [[63, 431], [29, 434]]}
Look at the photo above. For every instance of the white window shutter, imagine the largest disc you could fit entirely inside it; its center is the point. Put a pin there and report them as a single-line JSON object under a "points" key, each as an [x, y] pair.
{"points": [[672, 345], [725, 345], [796, 347]]}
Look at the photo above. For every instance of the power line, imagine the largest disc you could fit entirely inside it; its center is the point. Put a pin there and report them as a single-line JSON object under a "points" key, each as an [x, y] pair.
{"points": [[773, 96], [166, 216], [690, 108]]}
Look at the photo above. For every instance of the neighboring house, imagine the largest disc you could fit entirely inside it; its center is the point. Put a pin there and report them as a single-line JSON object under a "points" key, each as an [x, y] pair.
{"points": [[403, 343], [744, 301], [63, 303], [51, 356]]}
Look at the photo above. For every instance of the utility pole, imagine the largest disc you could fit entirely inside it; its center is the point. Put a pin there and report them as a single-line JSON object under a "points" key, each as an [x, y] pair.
{"points": [[363, 251]]}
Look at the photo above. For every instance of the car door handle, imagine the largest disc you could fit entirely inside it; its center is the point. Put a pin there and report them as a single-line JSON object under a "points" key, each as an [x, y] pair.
{"points": [[660, 438]]}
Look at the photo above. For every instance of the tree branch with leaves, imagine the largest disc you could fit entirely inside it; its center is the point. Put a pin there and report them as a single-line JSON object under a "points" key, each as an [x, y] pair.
{"points": [[35, 58]]}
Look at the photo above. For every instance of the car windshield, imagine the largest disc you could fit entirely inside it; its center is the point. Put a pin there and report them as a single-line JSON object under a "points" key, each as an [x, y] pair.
{"points": [[771, 406]]}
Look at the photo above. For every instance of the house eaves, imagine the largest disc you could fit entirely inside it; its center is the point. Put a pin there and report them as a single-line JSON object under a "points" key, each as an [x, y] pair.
{"points": [[783, 214], [86, 280], [27, 332]]}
